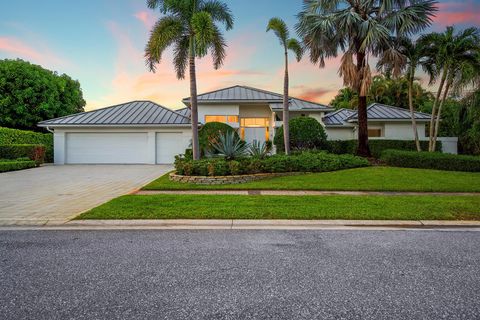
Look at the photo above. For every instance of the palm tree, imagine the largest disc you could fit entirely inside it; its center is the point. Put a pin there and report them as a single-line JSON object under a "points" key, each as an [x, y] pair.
{"points": [[361, 29], [456, 58], [279, 27], [189, 26]]}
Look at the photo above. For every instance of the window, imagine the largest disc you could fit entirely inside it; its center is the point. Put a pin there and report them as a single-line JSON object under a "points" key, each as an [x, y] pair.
{"points": [[232, 119], [254, 122], [224, 119], [374, 133]]}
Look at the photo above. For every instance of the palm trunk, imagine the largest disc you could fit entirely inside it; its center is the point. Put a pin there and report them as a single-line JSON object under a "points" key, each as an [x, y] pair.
{"points": [[193, 102], [412, 111], [362, 148], [434, 109], [286, 116], [439, 114]]}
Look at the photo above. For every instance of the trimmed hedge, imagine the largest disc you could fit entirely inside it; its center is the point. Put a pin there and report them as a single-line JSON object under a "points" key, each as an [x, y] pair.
{"points": [[376, 146], [306, 133], [14, 136], [304, 162], [16, 165], [431, 160], [34, 152]]}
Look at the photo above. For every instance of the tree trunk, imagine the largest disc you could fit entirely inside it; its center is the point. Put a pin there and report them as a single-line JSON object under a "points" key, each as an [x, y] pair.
{"points": [[286, 115], [193, 102], [412, 111], [362, 148], [434, 109], [439, 114]]}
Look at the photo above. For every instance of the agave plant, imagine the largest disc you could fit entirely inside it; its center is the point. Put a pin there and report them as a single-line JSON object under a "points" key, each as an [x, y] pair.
{"points": [[230, 146], [259, 150]]}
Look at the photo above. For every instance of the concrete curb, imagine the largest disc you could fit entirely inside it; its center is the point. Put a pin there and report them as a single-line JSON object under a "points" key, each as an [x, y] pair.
{"points": [[302, 193]]}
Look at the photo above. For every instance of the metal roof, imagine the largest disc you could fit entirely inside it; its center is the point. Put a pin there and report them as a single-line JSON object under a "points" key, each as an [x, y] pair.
{"points": [[378, 111], [130, 113], [186, 112], [338, 117]]}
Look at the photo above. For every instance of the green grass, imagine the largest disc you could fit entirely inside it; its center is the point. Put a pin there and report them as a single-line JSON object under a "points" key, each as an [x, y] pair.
{"points": [[361, 179], [288, 207]]}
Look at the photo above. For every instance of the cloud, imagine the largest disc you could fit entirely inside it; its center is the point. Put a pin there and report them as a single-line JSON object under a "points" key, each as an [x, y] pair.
{"points": [[451, 13], [310, 94], [147, 18]]}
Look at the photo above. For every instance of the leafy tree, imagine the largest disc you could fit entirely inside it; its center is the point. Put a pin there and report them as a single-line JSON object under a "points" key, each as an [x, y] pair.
{"points": [[189, 26], [361, 29], [306, 133], [210, 133], [346, 98], [469, 123], [279, 27], [30, 94]]}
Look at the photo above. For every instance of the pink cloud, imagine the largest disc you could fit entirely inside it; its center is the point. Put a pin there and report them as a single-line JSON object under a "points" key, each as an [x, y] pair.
{"points": [[451, 13], [146, 17]]}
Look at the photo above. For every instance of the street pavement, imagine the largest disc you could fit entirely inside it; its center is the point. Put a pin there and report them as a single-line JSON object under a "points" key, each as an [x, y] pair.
{"points": [[240, 274]]}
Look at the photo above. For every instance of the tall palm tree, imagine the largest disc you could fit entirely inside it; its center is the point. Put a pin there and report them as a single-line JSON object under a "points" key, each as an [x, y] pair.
{"points": [[189, 26], [360, 29], [454, 56], [279, 27]]}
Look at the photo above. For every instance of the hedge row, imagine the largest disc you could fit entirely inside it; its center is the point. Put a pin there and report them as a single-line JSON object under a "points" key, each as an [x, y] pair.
{"points": [[305, 162], [376, 146], [16, 165], [431, 160], [14, 136], [34, 152]]}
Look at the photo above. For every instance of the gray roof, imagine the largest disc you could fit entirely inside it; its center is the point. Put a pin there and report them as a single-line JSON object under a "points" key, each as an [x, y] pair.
{"points": [[248, 94], [375, 112], [184, 112], [130, 113]]}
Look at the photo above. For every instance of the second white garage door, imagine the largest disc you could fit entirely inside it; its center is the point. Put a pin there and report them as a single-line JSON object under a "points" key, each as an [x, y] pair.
{"points": [[91, 148], [169, 144]]}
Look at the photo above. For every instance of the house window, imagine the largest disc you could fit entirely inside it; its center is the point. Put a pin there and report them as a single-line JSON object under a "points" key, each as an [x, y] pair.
{"points": [[374, 133], [224, 119], [254, 122], [232, 119]]}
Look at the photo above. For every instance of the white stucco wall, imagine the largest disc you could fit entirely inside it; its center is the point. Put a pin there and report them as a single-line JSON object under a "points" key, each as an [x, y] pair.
{"points": [[217, 110], [402, 131], [340, 133]]}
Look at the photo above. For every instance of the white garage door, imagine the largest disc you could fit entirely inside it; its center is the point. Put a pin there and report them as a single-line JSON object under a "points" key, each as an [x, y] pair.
{"points": [[169, 144], [121, 148]]}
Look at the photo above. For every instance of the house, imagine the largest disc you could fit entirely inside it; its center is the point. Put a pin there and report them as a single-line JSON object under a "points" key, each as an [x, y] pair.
{"points": [[144, 132]]}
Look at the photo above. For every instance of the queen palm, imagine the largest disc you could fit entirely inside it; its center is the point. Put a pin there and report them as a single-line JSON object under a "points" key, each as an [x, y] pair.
{"points": [[279, 27], [189, 27], [361, 29]]}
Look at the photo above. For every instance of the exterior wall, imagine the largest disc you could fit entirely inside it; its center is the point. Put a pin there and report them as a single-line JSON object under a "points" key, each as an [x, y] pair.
{"points": [[217, 110], [60, 139], [449, 144], [340, 133], [402, 131]]}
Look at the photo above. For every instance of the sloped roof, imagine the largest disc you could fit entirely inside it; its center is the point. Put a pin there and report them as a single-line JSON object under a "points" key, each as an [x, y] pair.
{"points": [[378, 111], [130, 113], [338, 117], [184, 112]]}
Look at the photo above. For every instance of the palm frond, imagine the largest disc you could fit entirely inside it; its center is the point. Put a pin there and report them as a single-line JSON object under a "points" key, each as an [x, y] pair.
{"points": [[295, 46], [203, 30], [348, 70], [219, 12], [181, 56], [218, 46], [279, 27]]}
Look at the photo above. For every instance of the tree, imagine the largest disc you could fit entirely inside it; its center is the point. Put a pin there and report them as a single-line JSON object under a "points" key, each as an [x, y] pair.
{"points": [[455, 59], [189, 26], [469, 123], [30, 94], [360, 29], [279, 27], [346, 98]]}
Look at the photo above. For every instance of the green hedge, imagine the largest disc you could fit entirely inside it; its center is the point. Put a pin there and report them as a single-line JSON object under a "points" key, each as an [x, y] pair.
{"points": [[304, 162], [34, 152], [376, 146], [15, 136], [306, 133], [431, 160], [16, 165]]}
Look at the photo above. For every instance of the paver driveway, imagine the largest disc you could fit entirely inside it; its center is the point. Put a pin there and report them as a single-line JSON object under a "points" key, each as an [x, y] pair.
{"points": [[55, 194]]}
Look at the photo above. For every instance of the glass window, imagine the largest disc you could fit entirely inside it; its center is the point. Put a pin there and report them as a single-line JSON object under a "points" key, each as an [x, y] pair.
{"points": [[215, 119], [373, 133], [232, 119], [254, 122]]}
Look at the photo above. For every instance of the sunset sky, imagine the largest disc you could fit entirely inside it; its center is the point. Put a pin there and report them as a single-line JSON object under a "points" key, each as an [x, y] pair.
{"points": [[101, 42]]}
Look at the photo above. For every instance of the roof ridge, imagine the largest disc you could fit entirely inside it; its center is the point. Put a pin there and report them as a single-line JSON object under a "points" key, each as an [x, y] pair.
{"points": [[397, 108], [212, 91], [334, 113]]}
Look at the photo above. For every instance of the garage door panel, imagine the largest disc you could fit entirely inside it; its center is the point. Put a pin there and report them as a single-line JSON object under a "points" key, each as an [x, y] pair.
{"points": [[130, 148], [168, 145]]}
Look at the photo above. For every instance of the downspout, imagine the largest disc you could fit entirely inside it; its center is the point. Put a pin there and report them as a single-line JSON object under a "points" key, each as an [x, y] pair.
{"points": [[49, 130]]}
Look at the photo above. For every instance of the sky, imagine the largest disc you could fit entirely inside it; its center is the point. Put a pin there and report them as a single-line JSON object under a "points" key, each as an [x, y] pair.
{"points": [[100, 43]]}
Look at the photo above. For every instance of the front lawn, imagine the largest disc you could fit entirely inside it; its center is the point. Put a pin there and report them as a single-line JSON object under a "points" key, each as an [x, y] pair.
{"points": [[360, 179], [288, 207]]}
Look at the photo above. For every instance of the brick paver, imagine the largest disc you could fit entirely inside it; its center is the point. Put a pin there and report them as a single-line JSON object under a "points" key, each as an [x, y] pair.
{"points": [[55, 194]]}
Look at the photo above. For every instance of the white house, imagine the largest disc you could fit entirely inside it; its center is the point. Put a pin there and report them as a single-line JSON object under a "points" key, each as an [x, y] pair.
{"points": [[143, 132]]}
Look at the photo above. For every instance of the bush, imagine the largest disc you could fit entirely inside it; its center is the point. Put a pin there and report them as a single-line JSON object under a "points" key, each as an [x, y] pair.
{"points": [[209, 134], [306, 133], [431, 160], [34, 152], [12, 165], [376, 146], [14, 136], [304, 162]]}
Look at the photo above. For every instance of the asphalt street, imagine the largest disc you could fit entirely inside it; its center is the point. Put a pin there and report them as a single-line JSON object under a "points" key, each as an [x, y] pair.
{"points": [[227, 274]]}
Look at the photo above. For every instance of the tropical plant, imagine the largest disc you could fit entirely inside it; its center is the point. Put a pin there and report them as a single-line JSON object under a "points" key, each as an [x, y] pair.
{"points": [[361, 29], [189, 26], [279, 27], [210, 133], [469, 123], [230, 146], [259, 149], [455, 59]]}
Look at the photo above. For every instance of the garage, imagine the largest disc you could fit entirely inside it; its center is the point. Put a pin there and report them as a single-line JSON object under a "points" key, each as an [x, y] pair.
{"points": [[168, 145], [106, 148]]}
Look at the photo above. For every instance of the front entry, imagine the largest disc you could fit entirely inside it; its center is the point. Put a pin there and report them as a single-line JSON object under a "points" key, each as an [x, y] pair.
{"points": [[254, 129], [252, 134]]}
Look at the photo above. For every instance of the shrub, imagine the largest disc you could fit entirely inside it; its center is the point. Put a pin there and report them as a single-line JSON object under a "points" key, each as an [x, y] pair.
{"points": [[431, 160], [12, 165], [14, 136], [259, 150], [210, 133], [230, 146], [306, 133], [376, 146], [33, 152]]}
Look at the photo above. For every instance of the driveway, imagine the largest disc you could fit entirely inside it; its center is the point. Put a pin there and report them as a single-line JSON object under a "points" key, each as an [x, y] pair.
{"points": [[55, 194]]}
